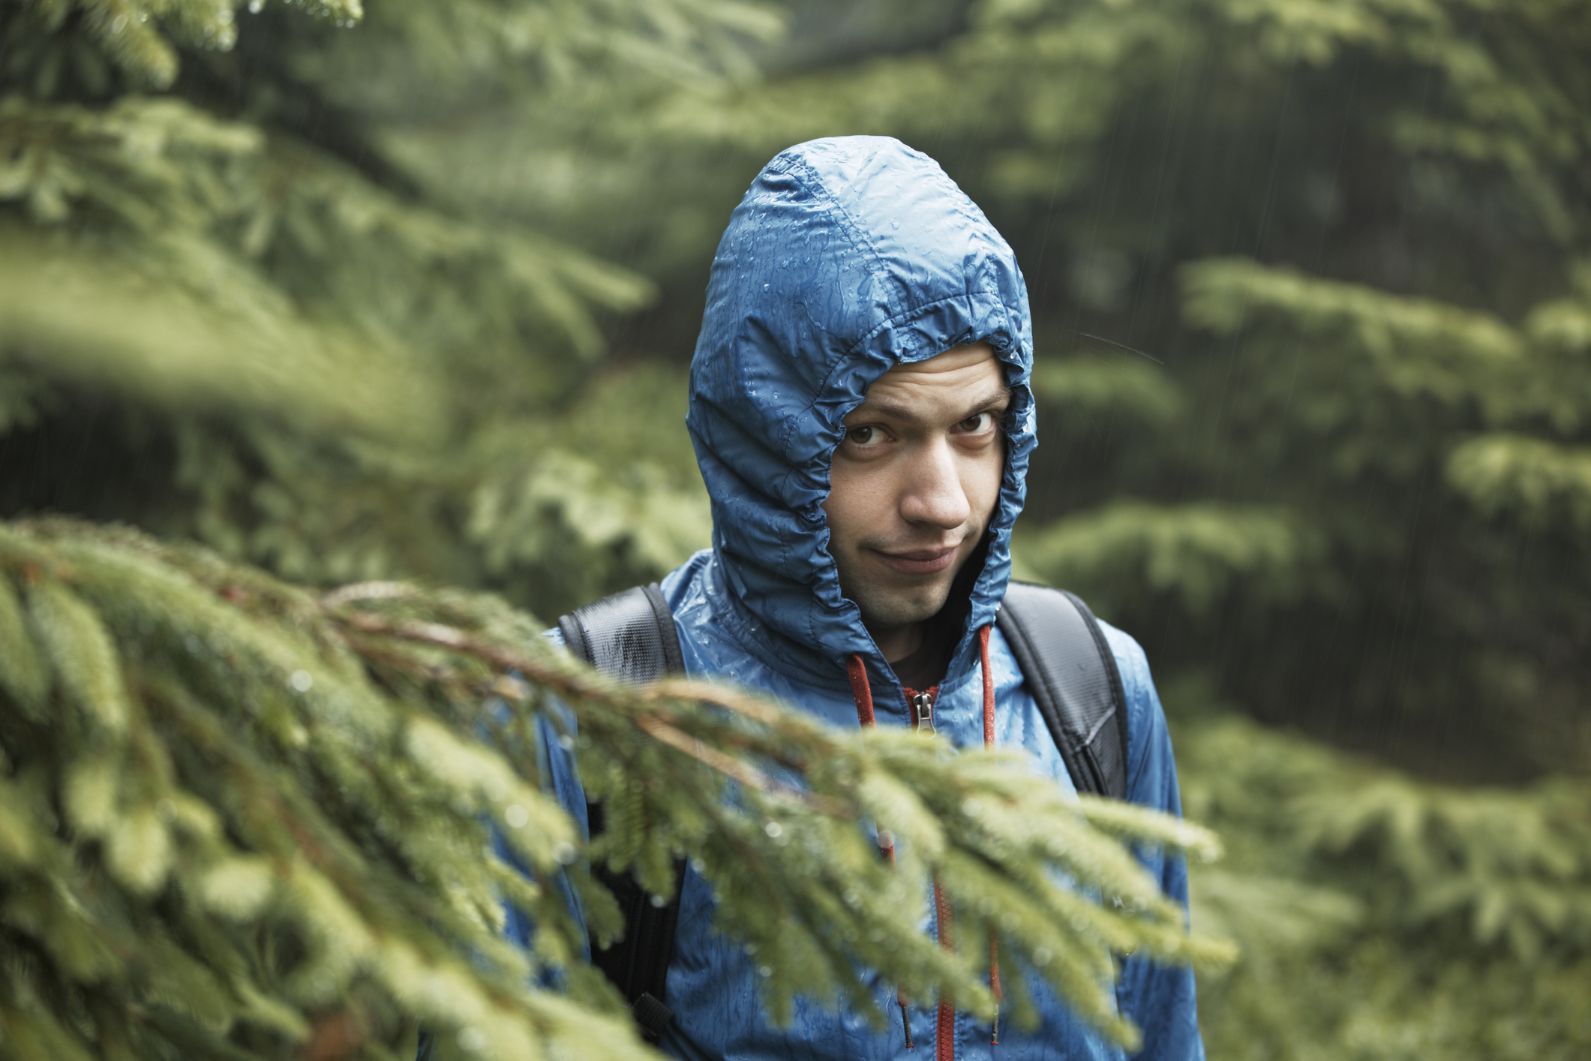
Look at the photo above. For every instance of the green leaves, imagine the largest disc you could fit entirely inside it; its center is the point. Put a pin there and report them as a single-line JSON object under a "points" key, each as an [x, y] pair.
{"points": [[1094, 386], [138, 850], [281, 826], [1507, 867], [1418, 348], [1196, 555], [91, 794], [1539, 483], [1356, 892], [212, 867], [238, 888], [82, 656], [26, 676], [141, 39]]}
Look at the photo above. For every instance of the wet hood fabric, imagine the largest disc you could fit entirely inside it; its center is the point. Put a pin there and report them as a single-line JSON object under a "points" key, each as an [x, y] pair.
{"points": [[846, 256]]}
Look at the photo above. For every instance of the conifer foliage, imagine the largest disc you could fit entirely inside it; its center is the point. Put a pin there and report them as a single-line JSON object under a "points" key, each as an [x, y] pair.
{"points": [[212, 259], [240, 818], [1380, 916]]}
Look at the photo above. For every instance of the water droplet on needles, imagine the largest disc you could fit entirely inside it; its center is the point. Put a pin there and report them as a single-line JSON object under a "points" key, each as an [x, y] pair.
{"points": [[301, 681], [657, 901], [516, 816], [774, 830], [256, 6]]}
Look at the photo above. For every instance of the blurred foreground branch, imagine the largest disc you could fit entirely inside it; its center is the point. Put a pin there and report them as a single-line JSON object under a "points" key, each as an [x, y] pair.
{"points": [[239, 818]]}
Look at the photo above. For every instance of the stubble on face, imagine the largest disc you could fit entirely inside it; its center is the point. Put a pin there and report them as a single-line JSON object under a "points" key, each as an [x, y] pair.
{"points": [[913, 486]]}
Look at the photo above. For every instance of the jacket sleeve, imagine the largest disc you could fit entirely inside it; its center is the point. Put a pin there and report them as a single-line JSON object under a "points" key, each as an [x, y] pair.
{"points": [[1159, 999], [561, 781]]}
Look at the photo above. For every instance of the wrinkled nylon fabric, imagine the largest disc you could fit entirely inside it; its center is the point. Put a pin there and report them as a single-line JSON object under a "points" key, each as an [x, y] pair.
{"points": [[845, 257]]}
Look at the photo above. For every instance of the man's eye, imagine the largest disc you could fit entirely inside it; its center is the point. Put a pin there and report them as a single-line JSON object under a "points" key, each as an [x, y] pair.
{"points": [[977, 424], [863, 436]]}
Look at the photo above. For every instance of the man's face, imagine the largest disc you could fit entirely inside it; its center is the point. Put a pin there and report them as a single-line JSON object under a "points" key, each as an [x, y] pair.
{"points": [[913, 487]]}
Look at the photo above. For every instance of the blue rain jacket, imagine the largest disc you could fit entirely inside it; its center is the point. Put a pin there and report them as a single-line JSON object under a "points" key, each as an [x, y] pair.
{"points": [[845, 257]]}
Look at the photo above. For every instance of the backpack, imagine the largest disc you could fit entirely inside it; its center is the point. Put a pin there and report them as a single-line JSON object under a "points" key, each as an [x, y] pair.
{"points": [[1057, 643]]}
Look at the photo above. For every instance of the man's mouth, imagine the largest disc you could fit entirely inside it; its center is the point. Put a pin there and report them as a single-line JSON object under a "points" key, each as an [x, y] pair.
{"points": [[919, 561]]}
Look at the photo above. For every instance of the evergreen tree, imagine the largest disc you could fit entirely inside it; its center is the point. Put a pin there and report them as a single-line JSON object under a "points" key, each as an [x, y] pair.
{"points": [[241, 817], [323, 363], [1384, 917]]}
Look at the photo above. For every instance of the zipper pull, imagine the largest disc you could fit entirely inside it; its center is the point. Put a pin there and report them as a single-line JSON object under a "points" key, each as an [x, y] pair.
{"points": [[923, 711]]}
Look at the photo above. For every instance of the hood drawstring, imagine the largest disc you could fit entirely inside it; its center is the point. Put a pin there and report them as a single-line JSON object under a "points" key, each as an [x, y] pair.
{"points": [[988, 742], [862, 696], [861, 691]]}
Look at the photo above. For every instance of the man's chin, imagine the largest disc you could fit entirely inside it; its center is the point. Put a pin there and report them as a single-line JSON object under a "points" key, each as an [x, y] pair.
{"points": [[895, 610]]}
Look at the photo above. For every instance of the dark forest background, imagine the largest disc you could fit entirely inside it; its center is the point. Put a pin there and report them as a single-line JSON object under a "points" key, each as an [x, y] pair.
{"points": [[1312, 291]]}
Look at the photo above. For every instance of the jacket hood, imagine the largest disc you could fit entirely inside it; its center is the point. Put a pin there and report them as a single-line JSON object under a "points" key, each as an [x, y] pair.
{"points": [[846, 256]]}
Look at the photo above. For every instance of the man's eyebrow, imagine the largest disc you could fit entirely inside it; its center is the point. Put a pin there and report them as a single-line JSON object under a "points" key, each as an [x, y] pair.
{"points": [[987, 402], [998, 399]]}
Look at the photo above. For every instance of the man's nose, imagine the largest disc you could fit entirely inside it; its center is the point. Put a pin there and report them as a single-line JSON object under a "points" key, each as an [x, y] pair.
{"points": [[932, 493]]}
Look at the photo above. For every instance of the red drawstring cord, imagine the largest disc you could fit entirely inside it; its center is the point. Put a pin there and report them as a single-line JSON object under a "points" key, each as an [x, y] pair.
{"points": [[988, 742], [862, 695], [988, 687], [861, 692]]}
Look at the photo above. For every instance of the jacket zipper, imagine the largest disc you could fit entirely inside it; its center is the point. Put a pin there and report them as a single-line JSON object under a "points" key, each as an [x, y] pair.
{"points": [[922, 712]]}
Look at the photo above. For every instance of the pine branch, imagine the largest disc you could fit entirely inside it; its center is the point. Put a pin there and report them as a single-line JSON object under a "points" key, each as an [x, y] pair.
{"points": [[292, 795]]}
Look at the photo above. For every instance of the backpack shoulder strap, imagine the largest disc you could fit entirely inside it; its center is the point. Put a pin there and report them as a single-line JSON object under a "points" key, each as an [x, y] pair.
{"points": [[1072, 674], [631, 636]]}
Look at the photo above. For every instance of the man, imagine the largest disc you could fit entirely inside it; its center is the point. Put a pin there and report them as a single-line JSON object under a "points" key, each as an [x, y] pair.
{"points": [[862, 417]]}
